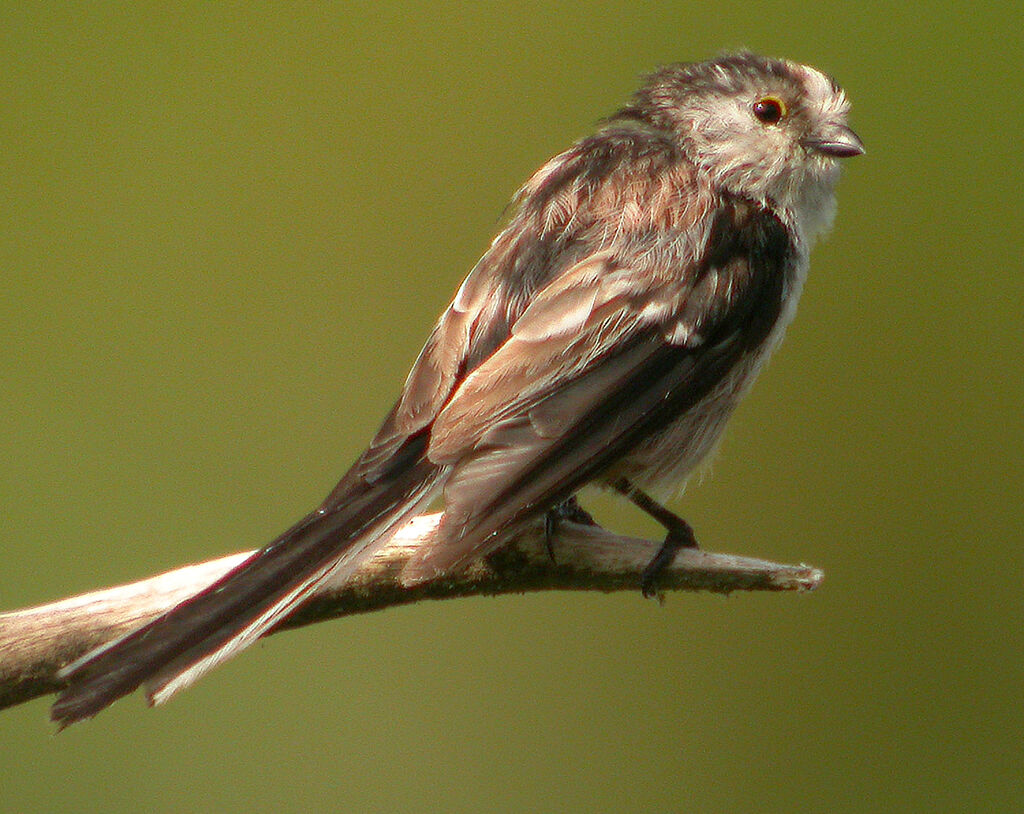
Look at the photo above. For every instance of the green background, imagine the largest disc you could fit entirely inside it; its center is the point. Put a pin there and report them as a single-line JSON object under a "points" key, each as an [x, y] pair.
{"points": [[226, 234]]}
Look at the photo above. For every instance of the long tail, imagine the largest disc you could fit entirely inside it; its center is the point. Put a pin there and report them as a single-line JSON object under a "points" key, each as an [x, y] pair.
{"points": [[178, 647]]}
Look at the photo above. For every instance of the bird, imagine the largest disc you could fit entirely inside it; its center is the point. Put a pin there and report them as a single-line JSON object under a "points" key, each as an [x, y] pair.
{"points": [[642, 279]]}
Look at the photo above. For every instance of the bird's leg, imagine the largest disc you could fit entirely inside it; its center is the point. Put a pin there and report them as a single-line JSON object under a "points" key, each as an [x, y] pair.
{"points": [[679, 533], [567, 511]]}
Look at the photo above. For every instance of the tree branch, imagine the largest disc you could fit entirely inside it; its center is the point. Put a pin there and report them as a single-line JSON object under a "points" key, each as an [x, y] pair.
{"points": [[35, 643]]}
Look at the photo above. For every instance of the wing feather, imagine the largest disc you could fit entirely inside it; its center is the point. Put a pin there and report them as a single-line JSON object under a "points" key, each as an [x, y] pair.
{"points": [[606, 358]]}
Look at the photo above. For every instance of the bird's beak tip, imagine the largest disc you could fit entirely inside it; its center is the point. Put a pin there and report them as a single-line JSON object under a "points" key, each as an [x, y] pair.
{"points": [[837, 140]]}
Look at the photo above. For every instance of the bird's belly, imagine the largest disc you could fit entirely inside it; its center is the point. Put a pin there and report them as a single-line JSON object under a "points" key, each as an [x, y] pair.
{"points": [[661, 464]]}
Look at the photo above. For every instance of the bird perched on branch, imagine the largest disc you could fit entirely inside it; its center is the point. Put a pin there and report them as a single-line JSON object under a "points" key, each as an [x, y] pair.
{"points": [[646, 274]]}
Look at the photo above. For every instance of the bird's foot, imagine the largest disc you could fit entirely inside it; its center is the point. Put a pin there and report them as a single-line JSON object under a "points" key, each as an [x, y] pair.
{"points": [[677, 538], [568, 511]]}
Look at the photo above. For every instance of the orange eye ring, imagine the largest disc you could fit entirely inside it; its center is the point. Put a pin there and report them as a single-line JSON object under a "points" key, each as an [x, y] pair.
{"points": [[769, 109]]}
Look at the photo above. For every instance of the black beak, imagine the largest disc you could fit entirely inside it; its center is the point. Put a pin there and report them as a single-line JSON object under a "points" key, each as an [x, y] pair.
{"points": [[836, 140]]}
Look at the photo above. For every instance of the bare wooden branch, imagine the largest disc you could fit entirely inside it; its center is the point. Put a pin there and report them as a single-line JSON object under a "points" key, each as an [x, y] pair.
{"points": [[35, 643]]}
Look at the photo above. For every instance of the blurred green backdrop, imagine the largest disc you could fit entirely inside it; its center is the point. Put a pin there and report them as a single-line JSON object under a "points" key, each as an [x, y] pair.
{"points": [[212, 219]]}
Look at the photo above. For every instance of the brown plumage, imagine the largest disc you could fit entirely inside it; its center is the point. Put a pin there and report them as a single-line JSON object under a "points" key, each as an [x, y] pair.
{"points": [[605, 337]]}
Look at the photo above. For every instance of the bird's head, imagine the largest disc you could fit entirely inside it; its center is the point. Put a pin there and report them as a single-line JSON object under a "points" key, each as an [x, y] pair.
{"points": [[762, 128]]}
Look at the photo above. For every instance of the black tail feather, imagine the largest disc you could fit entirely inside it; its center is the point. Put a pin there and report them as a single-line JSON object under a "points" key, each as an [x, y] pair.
{"points": [[237, 604]]}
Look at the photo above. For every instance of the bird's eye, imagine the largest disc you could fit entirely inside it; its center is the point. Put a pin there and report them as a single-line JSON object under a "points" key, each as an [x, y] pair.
{"points": [[769, 109]]}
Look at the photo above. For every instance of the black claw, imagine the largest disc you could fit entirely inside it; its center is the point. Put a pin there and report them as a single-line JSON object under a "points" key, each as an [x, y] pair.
{"points": [[663, 559], [568, 511], [550, 529], [680, 535]]}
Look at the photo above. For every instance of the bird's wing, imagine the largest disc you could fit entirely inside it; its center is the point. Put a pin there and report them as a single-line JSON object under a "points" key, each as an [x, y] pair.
{"points": [[477, 321], [605, 357]]}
